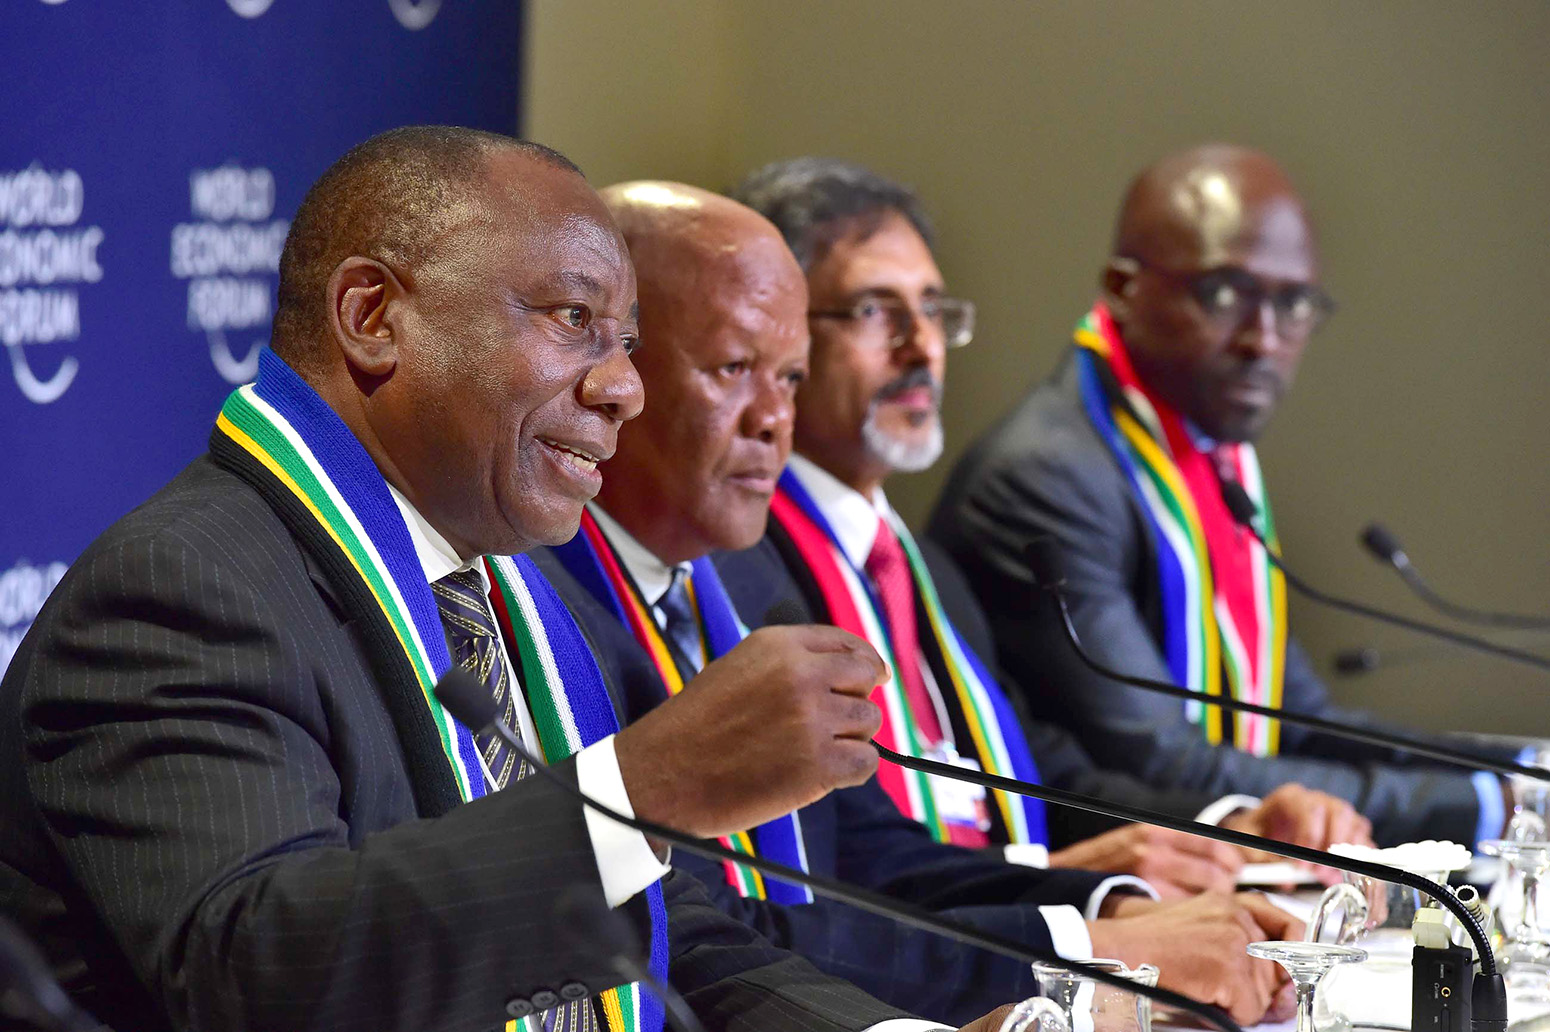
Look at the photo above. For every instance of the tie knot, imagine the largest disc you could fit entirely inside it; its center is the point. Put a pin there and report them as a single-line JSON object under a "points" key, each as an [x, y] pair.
{"points": [[460, 597], [674, 603], [886, 552]]}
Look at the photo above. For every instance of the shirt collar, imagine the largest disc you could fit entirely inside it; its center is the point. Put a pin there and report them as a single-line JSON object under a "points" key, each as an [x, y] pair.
{"points": [[1202, 441], [853, 516], [437, 556], [651, 575]]}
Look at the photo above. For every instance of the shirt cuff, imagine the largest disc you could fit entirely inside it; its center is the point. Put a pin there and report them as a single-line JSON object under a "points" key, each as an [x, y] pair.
{"points": [[907, 1025], [1068, 932], [1108, 885], [625, 861], [1068, 925], [1493, 809], [1026, 854], [1228, 804]]}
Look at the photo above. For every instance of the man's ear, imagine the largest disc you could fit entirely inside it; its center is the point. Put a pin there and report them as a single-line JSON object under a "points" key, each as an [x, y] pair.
{"points": [[360, 293], [1119, 284]]}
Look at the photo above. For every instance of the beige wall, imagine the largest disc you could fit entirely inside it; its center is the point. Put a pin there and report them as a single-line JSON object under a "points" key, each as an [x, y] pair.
{"points": [[1420, 133]]}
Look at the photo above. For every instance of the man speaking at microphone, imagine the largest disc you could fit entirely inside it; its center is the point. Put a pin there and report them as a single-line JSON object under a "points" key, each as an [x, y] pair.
{"points": [[231, 799], [724, 348], [1208, 301]]}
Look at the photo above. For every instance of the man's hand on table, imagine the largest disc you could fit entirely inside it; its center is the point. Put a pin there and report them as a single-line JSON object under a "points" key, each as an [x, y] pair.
{"points": [[775, 724], [1199, 946], [1303, 817], [1176, 864]]}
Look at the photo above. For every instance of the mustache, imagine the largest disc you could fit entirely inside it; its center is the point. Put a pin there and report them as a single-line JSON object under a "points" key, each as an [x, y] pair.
{"points": [[919, 376]]}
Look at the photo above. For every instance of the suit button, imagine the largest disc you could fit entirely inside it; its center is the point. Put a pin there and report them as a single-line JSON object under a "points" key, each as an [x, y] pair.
{"points": [[544, 999], [574, 991], [517, 1007]]}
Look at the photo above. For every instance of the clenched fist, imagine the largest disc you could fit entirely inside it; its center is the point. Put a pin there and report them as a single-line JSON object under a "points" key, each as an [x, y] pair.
{"points": [[775, 724], [1198, 946]]}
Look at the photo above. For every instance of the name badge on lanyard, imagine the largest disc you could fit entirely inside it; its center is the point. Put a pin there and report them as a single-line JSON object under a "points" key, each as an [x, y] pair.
{"points": [[958, 802]]}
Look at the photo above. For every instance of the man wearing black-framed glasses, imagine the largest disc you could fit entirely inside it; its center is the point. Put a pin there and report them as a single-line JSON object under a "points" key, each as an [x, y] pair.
{"points": [[1208, 300]]}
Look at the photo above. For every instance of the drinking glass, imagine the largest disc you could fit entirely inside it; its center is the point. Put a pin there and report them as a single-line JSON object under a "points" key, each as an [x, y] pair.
{"points": [[1036, 1014], [1376, 916], [1307, 963], [1087, 1004], [1524, 956]]}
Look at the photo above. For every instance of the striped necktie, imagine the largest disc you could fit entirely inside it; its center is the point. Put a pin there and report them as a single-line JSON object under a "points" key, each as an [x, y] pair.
{"points": [[476, 647]]}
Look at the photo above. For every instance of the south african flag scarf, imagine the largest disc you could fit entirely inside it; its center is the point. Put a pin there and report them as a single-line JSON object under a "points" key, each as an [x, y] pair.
{"points": [[997, 738], [597, 567], [281, 436], [1211, 630]]}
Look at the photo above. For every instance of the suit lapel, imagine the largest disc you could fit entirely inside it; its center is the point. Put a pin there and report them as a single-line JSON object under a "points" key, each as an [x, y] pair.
{"points": [[435, 790]]}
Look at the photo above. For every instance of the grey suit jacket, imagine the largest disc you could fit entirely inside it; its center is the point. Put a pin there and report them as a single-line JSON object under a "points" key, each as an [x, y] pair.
{"points": [[222, 809], [1043, 470]]}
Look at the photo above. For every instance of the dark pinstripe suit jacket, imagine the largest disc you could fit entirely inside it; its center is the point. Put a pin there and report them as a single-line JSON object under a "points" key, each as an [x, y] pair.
{"points": [[217, 816]]}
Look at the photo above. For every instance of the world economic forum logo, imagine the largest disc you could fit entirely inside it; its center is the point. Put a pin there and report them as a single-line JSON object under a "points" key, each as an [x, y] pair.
{"points": [[249, 8], [414, 16], [411, 14]]}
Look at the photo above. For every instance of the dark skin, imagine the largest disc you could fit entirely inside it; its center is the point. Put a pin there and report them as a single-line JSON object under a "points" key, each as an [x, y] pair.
{"points": [[724, 340], [724, 324], [475, 377], [1213, 207]]}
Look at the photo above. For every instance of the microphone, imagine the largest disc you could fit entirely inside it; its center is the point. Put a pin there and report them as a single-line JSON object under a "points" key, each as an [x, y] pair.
{"points": [[1363, 659], [1489, 995], [472, 705], [1244, 512], [1043, 559], [1385, 547], [585, 919], [28, 990]]}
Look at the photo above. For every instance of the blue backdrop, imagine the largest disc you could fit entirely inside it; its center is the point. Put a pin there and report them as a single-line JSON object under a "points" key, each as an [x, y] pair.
{"points": [[151, 157]]}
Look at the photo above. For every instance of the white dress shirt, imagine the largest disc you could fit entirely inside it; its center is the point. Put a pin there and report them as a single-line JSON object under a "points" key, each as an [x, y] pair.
{"points": [[855, 520], [625, 862], [653, 577]]}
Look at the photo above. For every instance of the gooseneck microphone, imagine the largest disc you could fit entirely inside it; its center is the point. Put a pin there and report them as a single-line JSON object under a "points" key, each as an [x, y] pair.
{"points": [[1385, 547], [586, 920], [472, 705], [1245, 512], [1043, 558], [28, 991]]}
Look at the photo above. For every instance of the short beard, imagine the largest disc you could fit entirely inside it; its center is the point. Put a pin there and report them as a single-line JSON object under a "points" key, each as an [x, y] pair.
{"points": [[901, 456]]}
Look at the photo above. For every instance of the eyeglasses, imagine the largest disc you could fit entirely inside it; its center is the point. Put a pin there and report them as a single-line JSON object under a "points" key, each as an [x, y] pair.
{"points": [[1231, 296], [888, 319]]}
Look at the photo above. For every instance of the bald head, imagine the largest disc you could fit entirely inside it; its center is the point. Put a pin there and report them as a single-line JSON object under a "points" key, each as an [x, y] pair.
{"points": [[723, 321], [684, 239], [1213, 285], [1200, 203]]}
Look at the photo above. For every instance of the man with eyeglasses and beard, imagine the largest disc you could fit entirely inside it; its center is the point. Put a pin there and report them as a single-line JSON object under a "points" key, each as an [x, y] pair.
{"points": [[1207, 302]]}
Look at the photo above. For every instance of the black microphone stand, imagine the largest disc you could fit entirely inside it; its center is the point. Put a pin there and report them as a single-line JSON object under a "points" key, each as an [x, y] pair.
{"points": [[1244, 512], [1386, 739], [1385, 547], [473, 707]]}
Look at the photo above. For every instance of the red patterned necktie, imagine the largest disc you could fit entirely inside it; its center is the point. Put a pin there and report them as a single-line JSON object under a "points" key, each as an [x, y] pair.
{"points": [[890, 573]]}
